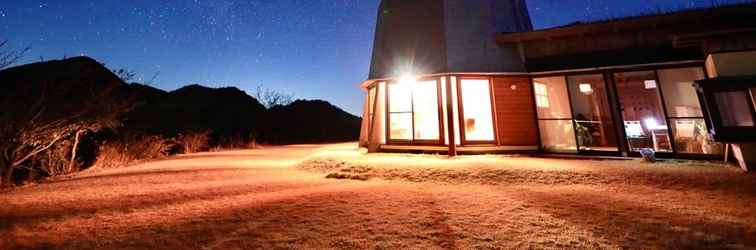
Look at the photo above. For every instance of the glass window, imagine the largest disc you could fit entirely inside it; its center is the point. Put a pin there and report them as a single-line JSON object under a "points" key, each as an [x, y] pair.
{"points": [[552, 99], [557, 136], [371, 105], [692, 137], [554, 114], [413, 111], [400, 111], [476, 109], [425, 110], [400, 98], [734, 108], [455, 112], [684, 111], [644, 120], [371, 100], [679, 94], [593, 118], [401, 126]]}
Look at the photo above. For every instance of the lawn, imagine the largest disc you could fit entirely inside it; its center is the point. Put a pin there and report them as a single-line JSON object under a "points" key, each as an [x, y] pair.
{"points": [[279, 198]]}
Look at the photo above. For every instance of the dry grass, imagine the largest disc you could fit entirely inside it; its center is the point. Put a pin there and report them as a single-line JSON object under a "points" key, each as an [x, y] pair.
{"points": [[132, 150], [523, 170], [257, 199]]}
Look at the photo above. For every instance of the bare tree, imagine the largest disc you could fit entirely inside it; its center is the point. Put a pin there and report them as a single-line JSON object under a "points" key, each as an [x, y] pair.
{"points": [[10, 56], [25, 135], [271, 98], [126, 75]]}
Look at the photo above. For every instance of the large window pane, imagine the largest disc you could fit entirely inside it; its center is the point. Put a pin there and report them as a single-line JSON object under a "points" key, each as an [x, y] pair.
{"points": [[691, 137], [400, 111], [371, 105], [592, 114], [680, 96], [734, 108], [557, 136], [425, 103], [400, 97], [401, 126], [645, 123], [477, 110], [552, 99]]}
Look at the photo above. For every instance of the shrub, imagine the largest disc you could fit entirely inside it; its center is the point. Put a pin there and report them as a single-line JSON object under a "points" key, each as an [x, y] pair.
{"points": [[194, 142], [236, 142], [134, 149]]}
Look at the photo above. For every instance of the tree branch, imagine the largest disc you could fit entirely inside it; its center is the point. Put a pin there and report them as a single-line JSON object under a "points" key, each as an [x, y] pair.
{"points": [[37, 151]]}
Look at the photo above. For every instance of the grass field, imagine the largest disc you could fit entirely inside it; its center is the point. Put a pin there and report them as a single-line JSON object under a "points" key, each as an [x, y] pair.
{"points": [[279, 198]]}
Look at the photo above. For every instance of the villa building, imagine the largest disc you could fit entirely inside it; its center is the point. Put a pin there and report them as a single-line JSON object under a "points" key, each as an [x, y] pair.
{"points": [[463, 76]]}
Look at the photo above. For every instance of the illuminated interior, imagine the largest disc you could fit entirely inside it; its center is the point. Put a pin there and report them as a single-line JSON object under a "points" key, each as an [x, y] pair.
{"points": [[641, 106], [425, 110], [684, 111], [554, 114], [400, 111], [594, 126], [574, 113], [413, 110], [477, 111]]}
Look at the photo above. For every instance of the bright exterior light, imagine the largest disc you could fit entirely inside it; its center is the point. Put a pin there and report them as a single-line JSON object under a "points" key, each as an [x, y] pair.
{"points": [[586, 88], [407, 79]]}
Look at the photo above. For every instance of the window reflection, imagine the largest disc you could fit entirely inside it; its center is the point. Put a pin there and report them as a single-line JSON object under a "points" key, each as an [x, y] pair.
{"points": [[554, 114], [734, 108], [557, 136], [551, 98]]}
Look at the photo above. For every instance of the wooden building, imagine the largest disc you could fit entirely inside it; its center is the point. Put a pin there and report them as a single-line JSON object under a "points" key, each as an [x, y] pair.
{"points": [[464, 76]]}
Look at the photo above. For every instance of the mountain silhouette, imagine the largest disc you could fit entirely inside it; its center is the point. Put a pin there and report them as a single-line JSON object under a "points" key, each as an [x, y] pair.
{"points": [[226, 112]]}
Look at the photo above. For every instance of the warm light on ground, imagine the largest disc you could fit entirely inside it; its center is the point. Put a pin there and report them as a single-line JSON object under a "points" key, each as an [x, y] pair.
{"points": [[264, 199]]}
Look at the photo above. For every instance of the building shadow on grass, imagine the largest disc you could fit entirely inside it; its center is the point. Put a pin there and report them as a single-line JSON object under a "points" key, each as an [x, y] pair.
{"points": [[632, 224], [41, 213], [331, 219]]}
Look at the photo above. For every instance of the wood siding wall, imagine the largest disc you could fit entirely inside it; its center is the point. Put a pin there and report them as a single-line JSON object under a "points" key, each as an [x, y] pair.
{"points": [[515, 112]]}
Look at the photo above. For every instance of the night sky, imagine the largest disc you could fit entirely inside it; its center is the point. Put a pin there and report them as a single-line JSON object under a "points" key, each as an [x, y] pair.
{"points": [[314, 49]]}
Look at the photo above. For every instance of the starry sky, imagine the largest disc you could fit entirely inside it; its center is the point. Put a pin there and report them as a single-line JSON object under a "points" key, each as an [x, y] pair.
{"points": [[313, 49]]}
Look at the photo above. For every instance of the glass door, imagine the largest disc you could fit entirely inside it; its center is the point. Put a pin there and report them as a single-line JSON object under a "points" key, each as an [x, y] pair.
{"points": [[643, 112], [554, 115], [594, 125], [476, 111]]}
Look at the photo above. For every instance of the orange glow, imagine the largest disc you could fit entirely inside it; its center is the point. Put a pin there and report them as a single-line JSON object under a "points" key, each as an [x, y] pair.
{"points": [[425, 110], [477, 110]]}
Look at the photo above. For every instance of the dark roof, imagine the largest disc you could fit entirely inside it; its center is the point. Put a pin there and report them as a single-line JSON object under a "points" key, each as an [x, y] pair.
{"points": [[736, 16]]}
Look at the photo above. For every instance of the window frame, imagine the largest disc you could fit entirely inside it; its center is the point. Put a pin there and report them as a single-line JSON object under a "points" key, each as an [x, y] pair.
{"points": [[413, 141], [461, 111], [571, 119], [663, 107], [614, 100]]}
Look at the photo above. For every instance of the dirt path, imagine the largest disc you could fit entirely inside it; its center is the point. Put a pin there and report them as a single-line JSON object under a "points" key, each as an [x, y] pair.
{"points": [[256, 199]]}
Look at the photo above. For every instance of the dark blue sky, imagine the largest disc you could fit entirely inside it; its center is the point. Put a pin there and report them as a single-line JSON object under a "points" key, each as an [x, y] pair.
{"points": [[314, 49]]}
